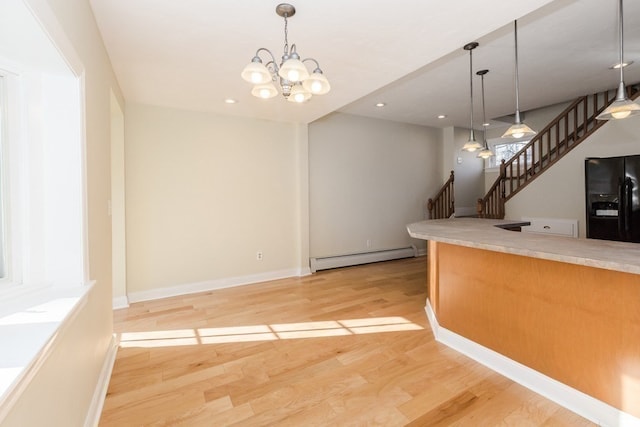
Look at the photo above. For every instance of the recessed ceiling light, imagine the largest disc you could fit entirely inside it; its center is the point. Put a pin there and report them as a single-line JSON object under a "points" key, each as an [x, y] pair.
{"points": [[442, 116], [617, 66], [230, 101], [380, 104]]}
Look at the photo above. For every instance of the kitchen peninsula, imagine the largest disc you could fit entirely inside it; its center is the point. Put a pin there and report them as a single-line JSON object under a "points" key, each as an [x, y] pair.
{"points": [[557, 314]]}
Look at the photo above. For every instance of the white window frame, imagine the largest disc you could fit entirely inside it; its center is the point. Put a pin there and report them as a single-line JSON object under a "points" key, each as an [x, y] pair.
{"points": [[47, 212], [493, 163], [43, 183], [4, 252], [12, 148]]}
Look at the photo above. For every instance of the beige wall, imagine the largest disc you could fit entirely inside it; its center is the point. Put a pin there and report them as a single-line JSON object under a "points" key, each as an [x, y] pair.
{"points": [[368, 179], [205, 192], [61, 392], [559, 192], [118, 221]]}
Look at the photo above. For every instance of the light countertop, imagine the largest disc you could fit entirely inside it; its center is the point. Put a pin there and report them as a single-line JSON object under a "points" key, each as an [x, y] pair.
{"points": [[483, 234]]}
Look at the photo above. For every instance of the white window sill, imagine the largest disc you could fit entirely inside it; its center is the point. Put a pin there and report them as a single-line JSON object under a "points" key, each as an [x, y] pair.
{"points": [[28, 333]]}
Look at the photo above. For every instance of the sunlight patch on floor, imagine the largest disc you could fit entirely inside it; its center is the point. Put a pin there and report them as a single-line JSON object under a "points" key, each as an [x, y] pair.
{"points": [[630, 397], [280, 331]]}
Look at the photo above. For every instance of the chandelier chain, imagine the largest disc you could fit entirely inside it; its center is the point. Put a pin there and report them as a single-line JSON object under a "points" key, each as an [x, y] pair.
{"points": [[286, 35]]}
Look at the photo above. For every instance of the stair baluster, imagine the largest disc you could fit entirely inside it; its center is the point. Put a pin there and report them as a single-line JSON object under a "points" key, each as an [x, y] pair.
{"points": [[563, 134], [442, 205]]}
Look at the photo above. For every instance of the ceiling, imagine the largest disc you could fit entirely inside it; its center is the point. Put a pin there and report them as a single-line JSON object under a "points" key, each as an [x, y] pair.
{"points": [[408, 54]]}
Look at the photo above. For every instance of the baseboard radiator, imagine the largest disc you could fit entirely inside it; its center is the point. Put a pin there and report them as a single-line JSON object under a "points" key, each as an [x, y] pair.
{"points": [[326, 263]]}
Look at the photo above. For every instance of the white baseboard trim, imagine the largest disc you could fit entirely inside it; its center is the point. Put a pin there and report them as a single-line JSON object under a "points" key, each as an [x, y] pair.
{"points": [[324, 263], [421, 252], [120, 302], [306, 271], [572, 399], [100, 393], [211, 285]]}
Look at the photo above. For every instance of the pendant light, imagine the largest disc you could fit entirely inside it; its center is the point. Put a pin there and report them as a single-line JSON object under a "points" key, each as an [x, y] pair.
{"points": [[471, 145], [518, 129], [485, 153], [622, 107]]}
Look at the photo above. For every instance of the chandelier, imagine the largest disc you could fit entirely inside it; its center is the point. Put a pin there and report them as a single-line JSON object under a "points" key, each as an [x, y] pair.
{"points": [[291, 75]]}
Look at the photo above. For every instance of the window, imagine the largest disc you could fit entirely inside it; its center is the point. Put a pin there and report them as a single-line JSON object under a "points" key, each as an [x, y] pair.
{"points": [[42, 220], [11, 154], [505, 151], [9, 142], [42, 192]]}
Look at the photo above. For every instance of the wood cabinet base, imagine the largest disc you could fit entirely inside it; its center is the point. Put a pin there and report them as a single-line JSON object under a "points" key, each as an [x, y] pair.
{"points": [[578, 325]]}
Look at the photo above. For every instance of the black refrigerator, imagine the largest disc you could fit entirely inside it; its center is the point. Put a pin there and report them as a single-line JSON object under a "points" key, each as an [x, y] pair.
{"points": [[613, 198]]}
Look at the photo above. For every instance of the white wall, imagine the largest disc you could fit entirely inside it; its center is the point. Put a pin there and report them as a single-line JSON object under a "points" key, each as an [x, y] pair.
{"points": [[61, 391], [536, 119], [467, 167], [559, 192], [205, 192], [368, 179]]}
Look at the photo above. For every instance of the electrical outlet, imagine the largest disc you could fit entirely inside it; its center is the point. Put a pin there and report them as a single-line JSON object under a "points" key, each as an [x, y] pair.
{"points": [[368, 243], [259, 255]]}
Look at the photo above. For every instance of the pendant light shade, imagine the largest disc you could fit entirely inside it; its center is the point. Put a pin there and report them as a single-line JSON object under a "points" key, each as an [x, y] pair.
{"points": [[622, 107], [471, 145], [518, 129], [485, 153]]}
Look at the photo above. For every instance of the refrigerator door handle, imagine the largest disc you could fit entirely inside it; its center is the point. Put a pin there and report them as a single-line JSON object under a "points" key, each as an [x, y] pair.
{"points": [[627, 208], [621, 209]]}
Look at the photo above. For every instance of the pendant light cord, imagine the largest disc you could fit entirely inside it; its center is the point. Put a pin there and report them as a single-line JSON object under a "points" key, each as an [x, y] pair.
{"points": [[515, 36], [621, 34], [484, 114], [472, 138]]}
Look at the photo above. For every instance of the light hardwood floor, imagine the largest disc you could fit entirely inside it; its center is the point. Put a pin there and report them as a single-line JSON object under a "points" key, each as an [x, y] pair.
{"points": [[349, 347]]}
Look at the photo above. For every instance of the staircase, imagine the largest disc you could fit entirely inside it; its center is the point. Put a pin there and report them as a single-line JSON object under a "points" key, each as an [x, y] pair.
{"points": [[559, 137], [443, 204]]}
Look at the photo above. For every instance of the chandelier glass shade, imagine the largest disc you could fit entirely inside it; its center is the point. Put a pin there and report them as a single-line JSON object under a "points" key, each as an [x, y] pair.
{"points": [[296, 83], [621, 107], [518, 129], [264, 91]]}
